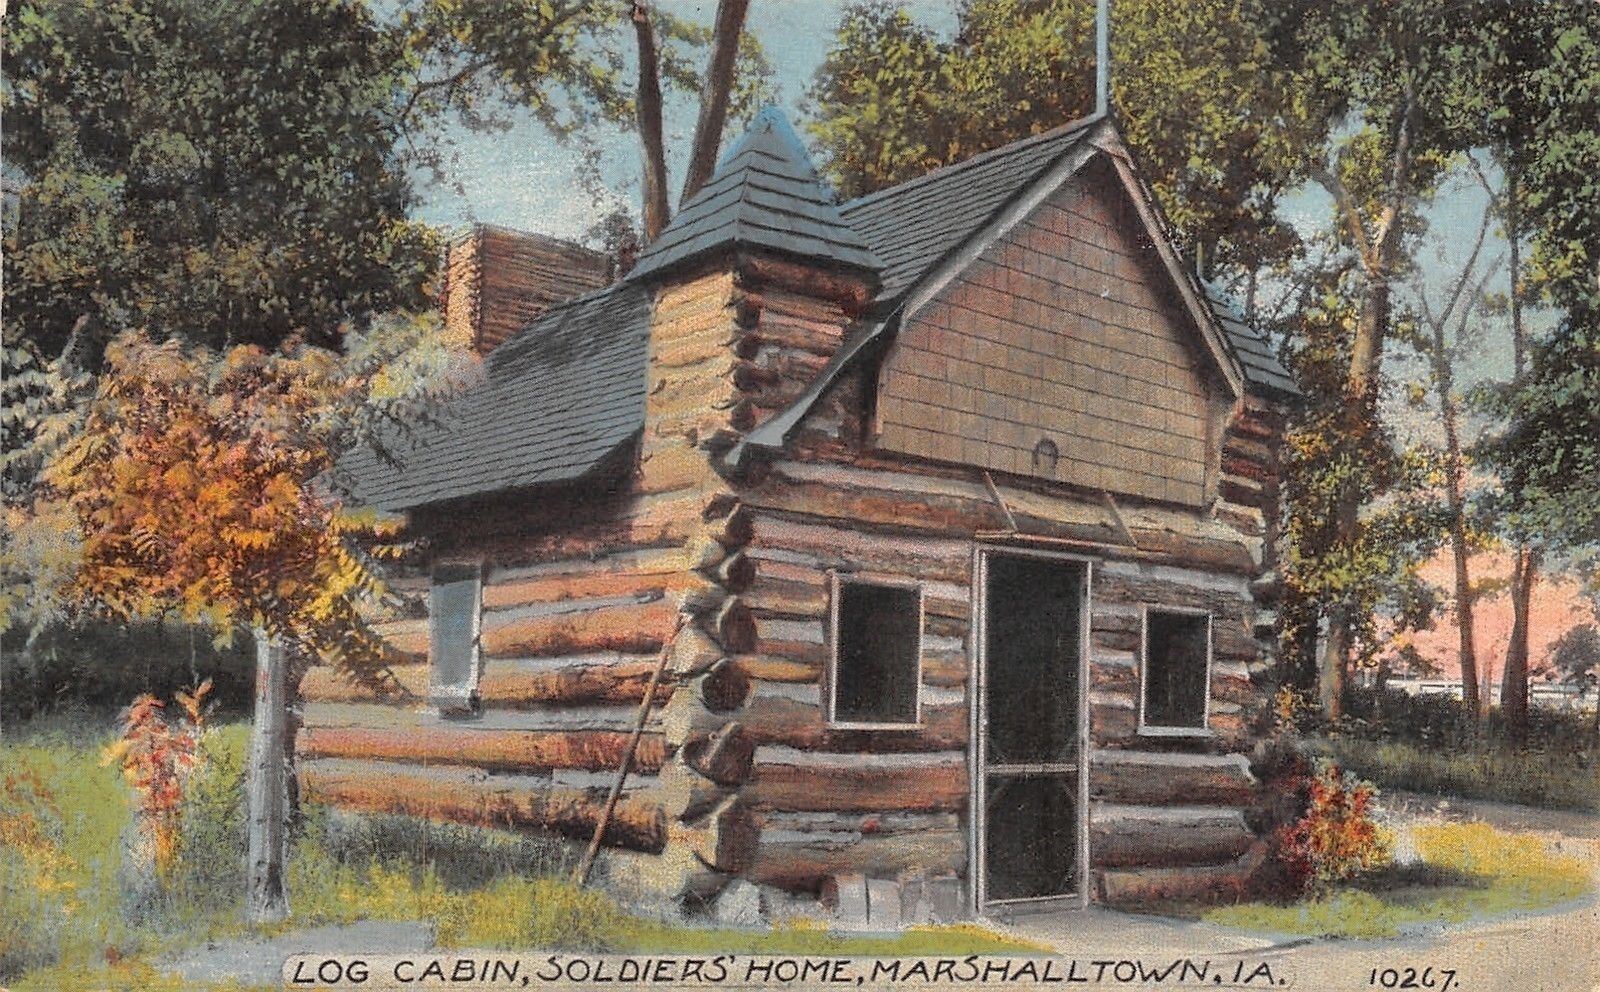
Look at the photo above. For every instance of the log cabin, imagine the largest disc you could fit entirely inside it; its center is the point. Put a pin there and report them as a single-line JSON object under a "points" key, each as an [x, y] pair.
{"points": [[948, 512]]}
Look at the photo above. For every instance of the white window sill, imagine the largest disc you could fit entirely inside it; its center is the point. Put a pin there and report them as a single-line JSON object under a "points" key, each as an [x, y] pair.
{"points": [[1176, 732], [900, 727]]}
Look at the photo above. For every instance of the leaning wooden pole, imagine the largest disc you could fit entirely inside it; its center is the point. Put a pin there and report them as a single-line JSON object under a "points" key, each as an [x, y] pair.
{"points": [[580, 874]]}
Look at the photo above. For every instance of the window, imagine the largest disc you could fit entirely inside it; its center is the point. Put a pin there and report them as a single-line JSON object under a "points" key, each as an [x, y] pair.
{"points": [[454, 601], [877, 654], [1175, 671]]}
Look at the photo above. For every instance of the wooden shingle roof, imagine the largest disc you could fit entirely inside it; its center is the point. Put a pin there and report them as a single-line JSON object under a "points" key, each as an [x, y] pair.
{"points": [[563, 399], [1262, 370], [556, 403], [913, 225], [765, 194]]}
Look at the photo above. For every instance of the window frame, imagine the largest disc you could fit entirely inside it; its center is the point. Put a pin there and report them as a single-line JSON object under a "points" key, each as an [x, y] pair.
{"points": [[1146, 729], [447, 700], [836, 583]]}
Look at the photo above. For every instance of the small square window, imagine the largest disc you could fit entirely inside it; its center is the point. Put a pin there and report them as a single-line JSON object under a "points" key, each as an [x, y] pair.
{"points": [[454, 604], [1175, 672], [877, 654]]}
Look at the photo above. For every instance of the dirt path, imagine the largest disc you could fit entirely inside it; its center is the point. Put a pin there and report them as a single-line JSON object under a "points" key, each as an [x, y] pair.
{"points": [[259, 961], [1553, 951]]}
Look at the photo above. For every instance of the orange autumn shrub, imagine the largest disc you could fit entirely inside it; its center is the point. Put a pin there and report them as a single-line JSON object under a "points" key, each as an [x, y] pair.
{"points": [[1337, 837], [157, 754]]}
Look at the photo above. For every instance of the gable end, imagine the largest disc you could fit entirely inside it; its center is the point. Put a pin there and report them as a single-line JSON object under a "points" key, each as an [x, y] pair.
{"points": [[1063, 351]]}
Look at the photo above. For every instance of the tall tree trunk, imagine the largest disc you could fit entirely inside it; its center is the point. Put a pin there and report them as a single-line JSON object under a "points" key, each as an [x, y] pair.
{"points": [[648, 109], [1455, 498], [1379, 251], [266, 901], [1467, 649], [714, 96], [1360, 412], [1514, 679]]}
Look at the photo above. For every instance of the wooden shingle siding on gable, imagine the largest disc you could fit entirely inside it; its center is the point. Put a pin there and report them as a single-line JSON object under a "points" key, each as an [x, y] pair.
{"points": [[1061, 331]]}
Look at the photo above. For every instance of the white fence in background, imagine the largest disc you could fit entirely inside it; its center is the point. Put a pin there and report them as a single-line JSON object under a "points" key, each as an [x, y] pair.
{"points": [[1546, 695]]}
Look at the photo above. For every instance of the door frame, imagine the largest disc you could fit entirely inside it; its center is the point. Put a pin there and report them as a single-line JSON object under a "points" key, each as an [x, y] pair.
{"points": [[978, 713]]}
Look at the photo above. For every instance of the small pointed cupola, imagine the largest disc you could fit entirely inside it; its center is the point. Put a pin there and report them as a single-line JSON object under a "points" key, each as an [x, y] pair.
{"points": [[766, 196]]}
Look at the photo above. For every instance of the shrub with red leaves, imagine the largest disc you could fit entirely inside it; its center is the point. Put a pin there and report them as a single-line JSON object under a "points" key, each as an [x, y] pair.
{"points": [[1337, 837], [157, 754]]}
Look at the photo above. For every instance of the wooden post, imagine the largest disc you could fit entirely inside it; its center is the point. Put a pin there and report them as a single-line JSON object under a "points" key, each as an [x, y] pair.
{"points": [[267, 788], [580, 874]]}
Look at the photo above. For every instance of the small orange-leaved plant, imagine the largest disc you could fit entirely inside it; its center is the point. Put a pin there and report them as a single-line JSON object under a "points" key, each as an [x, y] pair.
{"points": [[1337, 838], [157, 754]]}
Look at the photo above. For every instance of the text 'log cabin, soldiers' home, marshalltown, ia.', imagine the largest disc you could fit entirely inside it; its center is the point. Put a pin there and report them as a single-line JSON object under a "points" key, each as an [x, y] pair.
{"points": [[950, 507]]}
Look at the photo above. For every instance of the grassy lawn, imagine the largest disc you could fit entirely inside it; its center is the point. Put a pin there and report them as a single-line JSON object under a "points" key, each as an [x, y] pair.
{"points": [[1467, 871], [1493, 771], [65, 911]]}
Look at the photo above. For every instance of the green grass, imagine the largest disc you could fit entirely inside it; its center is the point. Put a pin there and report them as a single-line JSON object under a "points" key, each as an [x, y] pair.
{"points": [[64, 911], [551, 912], [133, 975], [60, 884], [1469, 871], [1493, 771]]}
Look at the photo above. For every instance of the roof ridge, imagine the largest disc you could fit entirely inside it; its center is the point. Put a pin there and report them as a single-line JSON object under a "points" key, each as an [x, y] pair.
{"points": [[1080, 124], [464, 231]]}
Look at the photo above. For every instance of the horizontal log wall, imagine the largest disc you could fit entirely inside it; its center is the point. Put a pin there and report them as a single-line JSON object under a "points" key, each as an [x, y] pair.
{"points": [[738, 771], [583, 595]]}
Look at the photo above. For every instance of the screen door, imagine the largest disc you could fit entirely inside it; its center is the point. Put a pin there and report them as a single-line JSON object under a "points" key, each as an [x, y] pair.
{"points": [[1032, 733]]}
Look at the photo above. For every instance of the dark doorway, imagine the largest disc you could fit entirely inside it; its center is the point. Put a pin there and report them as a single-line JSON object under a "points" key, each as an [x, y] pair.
{"points": [[1031, 728]]}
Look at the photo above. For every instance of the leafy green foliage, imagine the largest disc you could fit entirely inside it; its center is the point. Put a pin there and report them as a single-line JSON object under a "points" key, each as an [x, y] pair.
{"points": [[1539, 105], [1549, 444], [220, 173], [1202, 105], [1575, 655], [1435, 744], [1371, 571], [568, 63]]}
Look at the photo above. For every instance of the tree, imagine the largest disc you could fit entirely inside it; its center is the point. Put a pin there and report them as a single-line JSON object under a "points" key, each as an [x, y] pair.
{"points": [[1576, 656], [566, 63], [1538, 105], [1375, 568], [1443, 345], [1394, 83], [1205, 110], [198, 484], [220, 173]]}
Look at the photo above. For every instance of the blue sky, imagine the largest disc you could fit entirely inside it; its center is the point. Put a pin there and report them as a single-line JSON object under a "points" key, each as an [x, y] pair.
{"points": [[522, 178]]}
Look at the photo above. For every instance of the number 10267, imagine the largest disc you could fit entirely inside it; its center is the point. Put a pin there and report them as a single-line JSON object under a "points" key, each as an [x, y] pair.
{"points": [[1442, 979]]}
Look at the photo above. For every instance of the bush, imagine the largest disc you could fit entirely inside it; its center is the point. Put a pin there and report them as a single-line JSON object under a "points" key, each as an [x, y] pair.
{"points": [[34, 874], [1439, 721], [207, 879], [1337, 837], [98, 665]]}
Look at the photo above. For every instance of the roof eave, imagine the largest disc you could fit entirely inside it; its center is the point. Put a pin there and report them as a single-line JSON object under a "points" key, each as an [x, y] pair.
{"points": [[733, 247]]}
